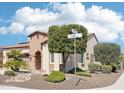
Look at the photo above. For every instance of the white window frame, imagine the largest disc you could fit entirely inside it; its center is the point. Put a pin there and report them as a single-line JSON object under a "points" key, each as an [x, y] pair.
{"points": [[52, 60], [61, 58]]}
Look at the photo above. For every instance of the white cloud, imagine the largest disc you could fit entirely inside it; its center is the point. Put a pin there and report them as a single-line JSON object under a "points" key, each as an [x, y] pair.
{"points": [[16, 28], [3, 30], [105, 23]]}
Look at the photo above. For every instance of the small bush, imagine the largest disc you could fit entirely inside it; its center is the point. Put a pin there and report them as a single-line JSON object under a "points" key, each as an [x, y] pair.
{"points": [[55, 77], [9, 73], [118, 66], [14, 65], [114, 67], [86, 74], [93, 67], [77, 70], [106, 69]]}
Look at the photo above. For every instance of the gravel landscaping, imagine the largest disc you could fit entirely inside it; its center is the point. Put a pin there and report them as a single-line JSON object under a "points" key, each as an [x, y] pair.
{"points": [[37, 81]]}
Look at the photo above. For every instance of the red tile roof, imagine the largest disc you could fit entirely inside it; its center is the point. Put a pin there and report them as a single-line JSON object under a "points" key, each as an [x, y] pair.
{"points": [[26, 44], [39, 32]]}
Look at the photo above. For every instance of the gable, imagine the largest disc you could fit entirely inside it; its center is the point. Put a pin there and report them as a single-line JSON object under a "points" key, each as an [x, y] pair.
{"points": [[37, 33], [92, 35]]}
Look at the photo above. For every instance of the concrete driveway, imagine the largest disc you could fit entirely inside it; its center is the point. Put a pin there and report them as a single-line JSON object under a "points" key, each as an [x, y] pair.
{"points": [[118, 85]]}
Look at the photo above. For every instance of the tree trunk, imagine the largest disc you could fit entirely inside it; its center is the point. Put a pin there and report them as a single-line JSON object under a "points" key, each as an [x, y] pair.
{"points": [[65, 57]]}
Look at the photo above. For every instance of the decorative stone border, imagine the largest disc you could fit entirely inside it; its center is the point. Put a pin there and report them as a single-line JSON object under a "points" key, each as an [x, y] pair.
{"points": [[19, 78]]}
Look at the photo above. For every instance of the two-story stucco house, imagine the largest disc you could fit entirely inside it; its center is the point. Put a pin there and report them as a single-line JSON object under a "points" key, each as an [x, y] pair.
{"points": [[38, 57]]}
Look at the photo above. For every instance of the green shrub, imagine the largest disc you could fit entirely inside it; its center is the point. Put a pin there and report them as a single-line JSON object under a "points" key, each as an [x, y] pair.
{"points": [[77, 70], [93, 67], [14, 64], [114, 67], [107, 53], [9, 73], [86, 74], [118, 66], [55, 77], [106, 69]]}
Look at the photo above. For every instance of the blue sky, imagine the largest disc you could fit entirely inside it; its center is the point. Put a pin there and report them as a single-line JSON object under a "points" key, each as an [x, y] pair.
{"points": [[106, 20]]}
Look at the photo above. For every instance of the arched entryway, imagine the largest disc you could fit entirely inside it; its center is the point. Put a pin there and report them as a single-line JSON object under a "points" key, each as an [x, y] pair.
{"points": [[38, 60]]}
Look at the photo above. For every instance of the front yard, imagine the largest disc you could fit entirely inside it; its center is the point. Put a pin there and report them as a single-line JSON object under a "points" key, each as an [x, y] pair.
{"points": [[37, 81]]}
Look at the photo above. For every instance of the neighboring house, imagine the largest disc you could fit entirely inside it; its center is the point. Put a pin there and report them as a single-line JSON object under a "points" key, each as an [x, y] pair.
{"points": [[1, 56], [38, 57]]}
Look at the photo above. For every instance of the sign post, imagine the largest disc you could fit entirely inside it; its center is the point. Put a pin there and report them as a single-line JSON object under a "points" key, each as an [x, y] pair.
{"points": [[74, 36]]}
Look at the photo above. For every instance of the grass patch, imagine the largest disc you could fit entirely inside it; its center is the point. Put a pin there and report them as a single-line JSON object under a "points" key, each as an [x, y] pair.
{"points": [[55, 77], [80, 72], [86, 74]]}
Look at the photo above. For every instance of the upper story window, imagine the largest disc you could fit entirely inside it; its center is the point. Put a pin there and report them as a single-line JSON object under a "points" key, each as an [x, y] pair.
{"points": [[52, 57], [37, 36]]}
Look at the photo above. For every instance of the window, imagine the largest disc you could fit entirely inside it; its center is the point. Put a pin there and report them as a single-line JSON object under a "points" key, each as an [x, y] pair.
{"points": [[82, 58], [37, 36], [52, 57], [62, 58]]}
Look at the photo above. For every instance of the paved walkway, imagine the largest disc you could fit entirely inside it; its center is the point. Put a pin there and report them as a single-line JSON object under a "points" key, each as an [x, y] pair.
{"points": [[2, 87], [118, 85]]}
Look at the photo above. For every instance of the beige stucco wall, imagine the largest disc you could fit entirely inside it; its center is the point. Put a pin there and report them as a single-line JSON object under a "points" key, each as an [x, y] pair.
{"points": [[34, 46], [70, 62], [5, 58], [57, 61], [45, 58], [90, 44]]}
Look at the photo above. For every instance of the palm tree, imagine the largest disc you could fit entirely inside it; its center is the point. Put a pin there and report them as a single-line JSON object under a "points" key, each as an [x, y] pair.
{"points": [[15, 63], [15, 54]]}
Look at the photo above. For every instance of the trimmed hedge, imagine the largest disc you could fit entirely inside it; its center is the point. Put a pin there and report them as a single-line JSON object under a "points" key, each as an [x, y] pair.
{"points": [[55, 77], [93, 67], [9, 73], [106, 69]]}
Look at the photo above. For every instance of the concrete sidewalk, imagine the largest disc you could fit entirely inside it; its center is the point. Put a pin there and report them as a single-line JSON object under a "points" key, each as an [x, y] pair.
{"points": [[118, 85], [2, 87]]}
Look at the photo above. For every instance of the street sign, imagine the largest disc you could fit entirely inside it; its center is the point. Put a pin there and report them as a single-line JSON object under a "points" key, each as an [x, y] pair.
{"points": [[78, 35], [74, 36], [74, 31]]}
